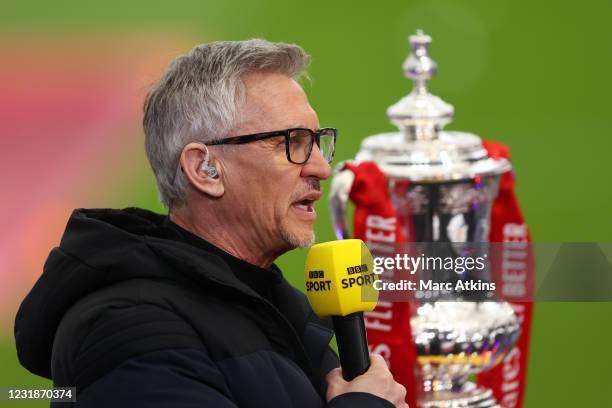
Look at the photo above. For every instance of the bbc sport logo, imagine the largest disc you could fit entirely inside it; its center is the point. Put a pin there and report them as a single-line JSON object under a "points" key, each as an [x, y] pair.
{"points": [[316, 274], [357, 269]]}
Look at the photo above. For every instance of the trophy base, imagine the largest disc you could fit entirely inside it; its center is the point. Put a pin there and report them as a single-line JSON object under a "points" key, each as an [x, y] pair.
{"points": [[470, 396]]}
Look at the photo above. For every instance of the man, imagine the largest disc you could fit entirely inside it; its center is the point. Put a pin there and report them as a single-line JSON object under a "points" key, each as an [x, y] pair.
{"points": [[138, 309]]}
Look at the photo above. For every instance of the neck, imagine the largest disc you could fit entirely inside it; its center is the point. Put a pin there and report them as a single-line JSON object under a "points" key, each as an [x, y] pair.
{"points": [[230, 238]]}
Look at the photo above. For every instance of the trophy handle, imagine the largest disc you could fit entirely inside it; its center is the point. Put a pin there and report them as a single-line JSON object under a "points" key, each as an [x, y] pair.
{"points": [[338, 196]]}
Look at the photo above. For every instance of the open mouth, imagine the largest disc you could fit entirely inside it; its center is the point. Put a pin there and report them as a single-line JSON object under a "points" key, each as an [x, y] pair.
{"points": [[305, 205]]}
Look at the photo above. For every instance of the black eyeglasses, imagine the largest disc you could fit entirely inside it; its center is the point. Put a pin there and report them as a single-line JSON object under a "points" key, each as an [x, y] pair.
{"points": [[298, 142]]}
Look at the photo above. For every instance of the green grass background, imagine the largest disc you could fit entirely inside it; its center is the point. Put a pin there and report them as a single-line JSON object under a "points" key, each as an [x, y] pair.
{"points": [[532, 74]]}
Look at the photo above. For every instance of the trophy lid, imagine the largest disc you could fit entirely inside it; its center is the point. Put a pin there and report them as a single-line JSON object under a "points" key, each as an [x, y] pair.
{"points": [[421, 151]]}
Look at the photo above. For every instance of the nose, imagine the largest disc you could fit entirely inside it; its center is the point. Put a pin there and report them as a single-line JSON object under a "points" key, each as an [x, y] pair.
{"points": [[316, 166]]}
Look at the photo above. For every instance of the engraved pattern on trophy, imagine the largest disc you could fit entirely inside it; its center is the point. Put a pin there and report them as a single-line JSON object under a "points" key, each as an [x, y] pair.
{"points": [[443, 184]]}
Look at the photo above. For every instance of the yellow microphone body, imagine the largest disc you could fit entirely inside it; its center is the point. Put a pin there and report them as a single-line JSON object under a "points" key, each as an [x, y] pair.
{"points": [[340, 280]]}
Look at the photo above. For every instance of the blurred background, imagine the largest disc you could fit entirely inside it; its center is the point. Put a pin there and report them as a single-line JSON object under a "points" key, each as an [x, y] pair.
{"points": [[534, 75]]}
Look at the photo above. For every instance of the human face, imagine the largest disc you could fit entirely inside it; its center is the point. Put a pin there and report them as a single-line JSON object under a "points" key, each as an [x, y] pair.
{"points": [[273, 197]]}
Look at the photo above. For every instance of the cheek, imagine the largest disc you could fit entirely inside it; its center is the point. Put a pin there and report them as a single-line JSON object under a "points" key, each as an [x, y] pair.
{"points": [[283, 190], [265, 199], [265, 187]]}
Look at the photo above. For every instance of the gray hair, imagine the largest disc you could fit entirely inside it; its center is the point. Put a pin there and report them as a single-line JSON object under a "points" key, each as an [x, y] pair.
{"points": [[199, 98]]}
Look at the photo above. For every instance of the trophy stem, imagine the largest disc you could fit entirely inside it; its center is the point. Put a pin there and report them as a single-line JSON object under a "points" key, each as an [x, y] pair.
{"points": [[444, 383], [469, 395], [421, 132]]}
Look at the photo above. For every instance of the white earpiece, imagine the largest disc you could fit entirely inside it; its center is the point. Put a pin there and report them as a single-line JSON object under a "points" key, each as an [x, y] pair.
{"points": [[211, 171]]}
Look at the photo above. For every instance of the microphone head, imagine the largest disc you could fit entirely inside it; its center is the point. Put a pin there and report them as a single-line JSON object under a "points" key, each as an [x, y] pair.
{"points": [[340, 278]]}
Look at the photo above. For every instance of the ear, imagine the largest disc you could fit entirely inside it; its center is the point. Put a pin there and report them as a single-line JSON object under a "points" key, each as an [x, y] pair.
{"points": [[192, 158]]}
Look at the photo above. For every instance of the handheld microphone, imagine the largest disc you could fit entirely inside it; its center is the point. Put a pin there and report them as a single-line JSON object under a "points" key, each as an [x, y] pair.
{"points": [[340, 283]]}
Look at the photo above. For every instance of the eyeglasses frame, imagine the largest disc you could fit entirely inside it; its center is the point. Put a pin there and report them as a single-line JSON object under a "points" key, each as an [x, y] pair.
{"points": [[315, 137]]}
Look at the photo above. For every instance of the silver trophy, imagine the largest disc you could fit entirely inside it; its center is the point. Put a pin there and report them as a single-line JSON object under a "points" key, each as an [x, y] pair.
{"points": [[452, 184]]}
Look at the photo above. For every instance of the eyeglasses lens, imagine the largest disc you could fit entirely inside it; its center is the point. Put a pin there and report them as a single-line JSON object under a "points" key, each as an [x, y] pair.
{"points": [[300, 145]]}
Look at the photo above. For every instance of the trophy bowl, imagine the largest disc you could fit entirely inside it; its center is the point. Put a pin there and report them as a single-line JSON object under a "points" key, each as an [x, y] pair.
{"points": [[455, 340]]}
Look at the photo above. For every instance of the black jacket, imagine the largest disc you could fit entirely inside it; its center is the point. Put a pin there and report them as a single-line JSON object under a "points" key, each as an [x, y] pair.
{"points": [[133, 314]]}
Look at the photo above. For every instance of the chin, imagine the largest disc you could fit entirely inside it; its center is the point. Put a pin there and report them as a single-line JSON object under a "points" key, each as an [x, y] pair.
{"points": [[298, 238]]}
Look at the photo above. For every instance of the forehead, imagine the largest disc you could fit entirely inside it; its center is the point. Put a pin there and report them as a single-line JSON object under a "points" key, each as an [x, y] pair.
{"points": [[274, 101]]}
